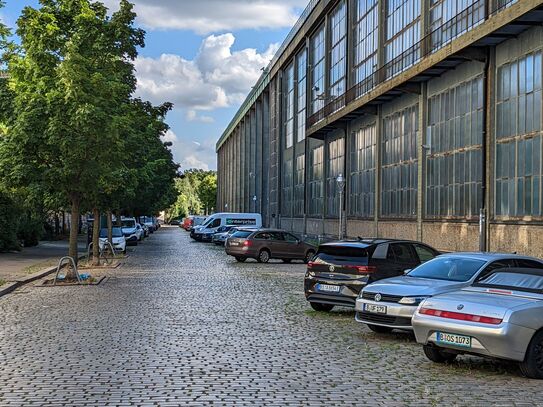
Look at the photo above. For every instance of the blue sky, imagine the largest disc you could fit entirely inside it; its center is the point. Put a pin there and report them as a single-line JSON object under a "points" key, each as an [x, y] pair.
{"points": [[203, 56]]}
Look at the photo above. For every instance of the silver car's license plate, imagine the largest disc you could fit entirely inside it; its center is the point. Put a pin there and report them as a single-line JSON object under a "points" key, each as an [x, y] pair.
{"points": [[376, 309], [329, 288], [234, 243], [453, 339]]}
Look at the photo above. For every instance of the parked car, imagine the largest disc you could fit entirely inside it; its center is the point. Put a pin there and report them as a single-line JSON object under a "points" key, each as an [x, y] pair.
{"points": [[146, 231], [175, 222], [220, 238], [499, 316], [187, 223], [130, 231], [390, 303], [196, 222], [266, 244], [151, 222], [340, 270], [117, 237], [141, 231], [206, 230]]}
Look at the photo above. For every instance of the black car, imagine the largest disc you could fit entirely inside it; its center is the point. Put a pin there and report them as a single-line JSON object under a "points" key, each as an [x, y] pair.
{"points": [[340, 270]]}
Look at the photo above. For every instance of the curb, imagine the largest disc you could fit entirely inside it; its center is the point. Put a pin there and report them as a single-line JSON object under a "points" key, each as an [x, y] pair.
{"points": [[13, 285]]}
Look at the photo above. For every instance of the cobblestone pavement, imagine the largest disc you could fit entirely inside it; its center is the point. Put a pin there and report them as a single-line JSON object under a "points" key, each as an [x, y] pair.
{"points": [[182, 324]]}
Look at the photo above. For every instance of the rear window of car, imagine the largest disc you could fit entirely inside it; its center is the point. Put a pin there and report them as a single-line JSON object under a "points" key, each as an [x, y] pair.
{"points": [[341, 255], [448, 268], [242, 234], [522, 281]]}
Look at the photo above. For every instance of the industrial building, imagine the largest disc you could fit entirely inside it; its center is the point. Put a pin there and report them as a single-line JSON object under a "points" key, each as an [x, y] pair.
{"points": [[416, 119]]}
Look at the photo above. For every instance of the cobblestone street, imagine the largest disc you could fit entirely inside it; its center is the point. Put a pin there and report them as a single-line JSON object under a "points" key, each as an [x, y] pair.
{"points": [[183, 324]]}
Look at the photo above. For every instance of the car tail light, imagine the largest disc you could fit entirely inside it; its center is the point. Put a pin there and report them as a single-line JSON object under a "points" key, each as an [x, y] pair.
{"points": [[247, 243], [460, 316], [363, 269], [310, 264]]}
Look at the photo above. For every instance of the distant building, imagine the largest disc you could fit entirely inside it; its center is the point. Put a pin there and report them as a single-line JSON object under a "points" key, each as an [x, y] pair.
{"points": [[431, 109]]}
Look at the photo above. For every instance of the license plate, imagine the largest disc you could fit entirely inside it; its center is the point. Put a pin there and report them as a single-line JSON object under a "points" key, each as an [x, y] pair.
{"points": [[329, 288], [453, 339], [234, 243], [376, 309]]}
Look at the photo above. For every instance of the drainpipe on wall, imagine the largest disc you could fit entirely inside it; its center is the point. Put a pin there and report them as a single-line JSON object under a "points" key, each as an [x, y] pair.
{"points": [[483, 244]]}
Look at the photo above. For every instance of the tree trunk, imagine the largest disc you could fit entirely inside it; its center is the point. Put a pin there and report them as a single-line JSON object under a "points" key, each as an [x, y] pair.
{"points": [[110, 226], [96, 237], [73, 251]]}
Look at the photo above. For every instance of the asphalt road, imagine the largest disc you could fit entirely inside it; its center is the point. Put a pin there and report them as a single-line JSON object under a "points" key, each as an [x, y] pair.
{"points": [[181, 324]]}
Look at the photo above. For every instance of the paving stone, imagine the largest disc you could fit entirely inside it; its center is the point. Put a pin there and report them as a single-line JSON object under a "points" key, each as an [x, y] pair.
{"points": [[182, 324]]}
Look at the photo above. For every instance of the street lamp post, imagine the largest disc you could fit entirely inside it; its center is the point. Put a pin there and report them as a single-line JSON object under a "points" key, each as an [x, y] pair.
{"points": [[254, 201], [341, 186]]}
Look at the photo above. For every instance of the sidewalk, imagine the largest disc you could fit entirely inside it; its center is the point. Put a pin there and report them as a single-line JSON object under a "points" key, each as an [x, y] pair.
{"points": [[19, 266]]}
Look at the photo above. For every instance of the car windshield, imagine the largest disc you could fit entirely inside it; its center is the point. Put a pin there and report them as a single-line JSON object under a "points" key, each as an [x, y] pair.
{"points": [[525, 280], [448, 268], [116, 232], [128, 223], [242, 234]]}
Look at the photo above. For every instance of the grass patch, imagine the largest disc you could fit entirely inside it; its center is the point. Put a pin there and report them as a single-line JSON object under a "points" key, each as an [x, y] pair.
{"points": [[40, 266], [2, 282]]}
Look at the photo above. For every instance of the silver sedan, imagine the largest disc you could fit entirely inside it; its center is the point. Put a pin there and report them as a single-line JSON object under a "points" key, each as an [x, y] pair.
{"points": [[390, 303], [500, 316]]}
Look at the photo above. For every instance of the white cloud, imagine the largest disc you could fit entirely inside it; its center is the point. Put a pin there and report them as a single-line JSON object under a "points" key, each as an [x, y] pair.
{"points": [[191, 153], [206, 16], [216, 78], [193, 116]]}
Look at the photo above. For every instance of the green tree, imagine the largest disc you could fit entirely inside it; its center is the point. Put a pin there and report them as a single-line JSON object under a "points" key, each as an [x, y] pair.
{"points": [[71, 78]]}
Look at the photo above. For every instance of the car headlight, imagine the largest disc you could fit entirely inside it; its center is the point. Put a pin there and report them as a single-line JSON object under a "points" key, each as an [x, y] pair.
{"points": [[412, 300]]}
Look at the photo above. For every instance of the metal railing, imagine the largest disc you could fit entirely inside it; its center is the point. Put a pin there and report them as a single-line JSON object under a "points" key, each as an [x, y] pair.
{"points": [[462, 22]]}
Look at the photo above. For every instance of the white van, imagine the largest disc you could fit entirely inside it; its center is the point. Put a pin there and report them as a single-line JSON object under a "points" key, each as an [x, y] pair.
{"points": [[206, 231]]}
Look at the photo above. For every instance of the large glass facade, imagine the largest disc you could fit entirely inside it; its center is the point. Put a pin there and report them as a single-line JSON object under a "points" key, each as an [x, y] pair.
{"points": [[518, 137], [402, 32], [318, 67], [316, 184], [301, 105], [399, 164], [286, 198], [299, 186], [444, 24], [365, 31], [454, 161], [336, 160], [362, 182], [289, 105], [338, 50]]}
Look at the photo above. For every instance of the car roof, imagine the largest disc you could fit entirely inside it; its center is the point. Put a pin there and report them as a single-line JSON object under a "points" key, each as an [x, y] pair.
{"points": [[490, 256], [366, 242]]}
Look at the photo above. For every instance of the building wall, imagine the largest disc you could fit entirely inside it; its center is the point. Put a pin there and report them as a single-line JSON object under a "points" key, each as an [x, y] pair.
{"points": [[418, 166]]}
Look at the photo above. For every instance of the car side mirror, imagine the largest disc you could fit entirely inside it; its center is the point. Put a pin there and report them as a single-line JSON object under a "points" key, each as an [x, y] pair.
{"points": [[406, 271]]}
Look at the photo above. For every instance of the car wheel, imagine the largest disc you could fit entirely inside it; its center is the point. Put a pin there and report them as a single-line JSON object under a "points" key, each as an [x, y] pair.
{"points": [[317, 306], [532, 366], [308, 256], [380, 329], [263, 256], [124, 251], [437, 355], [241, 259], [286, 260]]}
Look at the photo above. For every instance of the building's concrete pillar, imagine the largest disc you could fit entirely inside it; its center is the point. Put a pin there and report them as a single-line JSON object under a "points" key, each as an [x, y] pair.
{"points": [[258, 157], [424, 25], [489, 151], [265, 197], [381, 39], [243, 164], [252, 189], [421, 154], [377, 197]]}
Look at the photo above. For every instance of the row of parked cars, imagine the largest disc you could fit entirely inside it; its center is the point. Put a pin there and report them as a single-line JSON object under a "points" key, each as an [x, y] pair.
{"points": [[244, 238], [488, 304], [130, 233]]}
